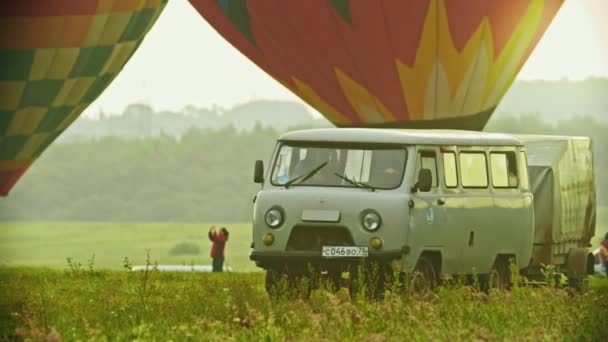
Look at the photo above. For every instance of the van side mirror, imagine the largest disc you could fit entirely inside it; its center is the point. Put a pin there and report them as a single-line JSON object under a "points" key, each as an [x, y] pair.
{"points": [[258, 173], [425, 181]]}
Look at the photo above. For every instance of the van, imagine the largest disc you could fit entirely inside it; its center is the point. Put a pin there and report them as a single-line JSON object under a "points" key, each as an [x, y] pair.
{"points": [[422, 203]]}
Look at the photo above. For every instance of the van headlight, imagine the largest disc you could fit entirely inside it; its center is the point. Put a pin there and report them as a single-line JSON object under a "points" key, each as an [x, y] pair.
{"points": [[371, 220], [274, 217]]}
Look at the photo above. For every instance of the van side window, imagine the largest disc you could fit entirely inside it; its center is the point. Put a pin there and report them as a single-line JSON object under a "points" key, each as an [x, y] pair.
{"points": [[473, 170], [449, 169], [504, 170], [427, 160]]}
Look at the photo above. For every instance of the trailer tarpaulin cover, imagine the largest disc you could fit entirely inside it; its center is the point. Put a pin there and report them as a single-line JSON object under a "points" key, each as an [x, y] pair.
{"points": [[562, 182]]}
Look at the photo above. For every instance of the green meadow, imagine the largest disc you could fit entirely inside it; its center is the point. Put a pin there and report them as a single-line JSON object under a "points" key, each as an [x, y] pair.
{"points": [[80, 304], [106, 245]]}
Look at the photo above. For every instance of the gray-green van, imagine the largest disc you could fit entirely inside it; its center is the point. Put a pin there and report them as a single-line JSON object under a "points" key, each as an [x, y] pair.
{"points": [[420, 202]]}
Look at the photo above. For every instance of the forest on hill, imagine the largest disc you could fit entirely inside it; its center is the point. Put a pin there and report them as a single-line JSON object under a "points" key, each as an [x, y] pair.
{"points": [[201, 175]]}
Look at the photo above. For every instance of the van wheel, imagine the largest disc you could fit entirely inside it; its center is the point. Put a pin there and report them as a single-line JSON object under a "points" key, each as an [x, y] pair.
{"points": [[275, 283], [493, 281], [424, 277], [499, 278]]}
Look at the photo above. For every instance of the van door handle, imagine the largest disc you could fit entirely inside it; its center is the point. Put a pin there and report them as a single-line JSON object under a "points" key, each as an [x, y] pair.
{"points": [[471, 238], [440, 201]]}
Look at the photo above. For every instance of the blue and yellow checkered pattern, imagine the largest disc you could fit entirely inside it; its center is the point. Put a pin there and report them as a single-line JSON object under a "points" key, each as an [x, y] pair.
{"points": [[53, 66]]}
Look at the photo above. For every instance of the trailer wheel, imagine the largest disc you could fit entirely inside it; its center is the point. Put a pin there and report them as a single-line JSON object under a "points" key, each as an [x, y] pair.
{"points": [[577, 283]]}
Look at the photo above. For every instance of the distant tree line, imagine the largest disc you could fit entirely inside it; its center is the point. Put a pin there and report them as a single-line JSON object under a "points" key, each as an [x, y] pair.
{"points": [[203, 175], [552, 100], [142, 121]]}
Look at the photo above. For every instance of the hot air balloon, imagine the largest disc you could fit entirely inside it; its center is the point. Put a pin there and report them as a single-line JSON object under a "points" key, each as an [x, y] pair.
{"points": [[388, 63], [56, 57]]}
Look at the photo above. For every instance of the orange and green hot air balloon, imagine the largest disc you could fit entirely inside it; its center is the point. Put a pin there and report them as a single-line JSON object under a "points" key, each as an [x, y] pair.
{"points": [[56, 57], [388, 63]]}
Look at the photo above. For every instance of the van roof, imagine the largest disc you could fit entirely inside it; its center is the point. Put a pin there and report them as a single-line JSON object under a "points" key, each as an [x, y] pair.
{"points": [[402, 136]]}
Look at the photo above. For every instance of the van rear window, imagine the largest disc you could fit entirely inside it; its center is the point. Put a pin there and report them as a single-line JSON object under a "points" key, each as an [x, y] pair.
{"points": [[473, 170], [504, 170]]}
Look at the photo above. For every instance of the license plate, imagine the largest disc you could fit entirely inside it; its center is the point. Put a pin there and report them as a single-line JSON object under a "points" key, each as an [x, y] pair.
{"points": [[344, 252]]}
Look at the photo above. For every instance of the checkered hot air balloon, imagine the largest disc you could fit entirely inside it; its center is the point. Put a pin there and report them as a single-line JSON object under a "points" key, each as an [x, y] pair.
{"points": [[388, 63], [56, 57]]}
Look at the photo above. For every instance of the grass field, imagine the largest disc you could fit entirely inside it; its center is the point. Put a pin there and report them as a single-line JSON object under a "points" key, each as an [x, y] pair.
{"points": [[50, 243], [99, 300], [43, 304]]}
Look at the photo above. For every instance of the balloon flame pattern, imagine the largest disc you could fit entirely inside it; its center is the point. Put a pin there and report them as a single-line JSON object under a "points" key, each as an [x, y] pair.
{"points": [[388, 63], [56, 57]]}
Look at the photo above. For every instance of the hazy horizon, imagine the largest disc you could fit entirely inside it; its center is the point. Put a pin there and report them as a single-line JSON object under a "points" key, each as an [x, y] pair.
{"points": [[550, 100]]}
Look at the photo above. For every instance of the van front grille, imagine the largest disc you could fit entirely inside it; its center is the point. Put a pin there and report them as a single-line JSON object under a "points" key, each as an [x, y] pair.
{"points": [[306, 238]]}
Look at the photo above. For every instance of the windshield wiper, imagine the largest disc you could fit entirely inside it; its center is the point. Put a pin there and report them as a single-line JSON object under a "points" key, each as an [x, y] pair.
{"points": [[306, 176], [354, 182]]}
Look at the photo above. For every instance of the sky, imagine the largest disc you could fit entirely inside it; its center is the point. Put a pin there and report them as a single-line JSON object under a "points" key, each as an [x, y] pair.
{"points": [[184, 61]]}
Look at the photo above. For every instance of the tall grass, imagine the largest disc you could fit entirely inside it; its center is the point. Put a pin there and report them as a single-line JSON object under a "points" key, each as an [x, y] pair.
{"points": [[85, 304]]}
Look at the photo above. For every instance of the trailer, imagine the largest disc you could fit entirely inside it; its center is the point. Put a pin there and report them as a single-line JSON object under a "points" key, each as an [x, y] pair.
{"points": [[562, 181]]}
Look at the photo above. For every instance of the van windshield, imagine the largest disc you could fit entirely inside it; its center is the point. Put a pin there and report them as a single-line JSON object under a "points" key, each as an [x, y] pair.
{"points": [[339, 166]]}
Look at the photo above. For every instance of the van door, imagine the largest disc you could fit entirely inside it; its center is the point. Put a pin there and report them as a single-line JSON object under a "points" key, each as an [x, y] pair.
{"points": [[427, 217], [509, 230], [455, 231], [476, 211]]}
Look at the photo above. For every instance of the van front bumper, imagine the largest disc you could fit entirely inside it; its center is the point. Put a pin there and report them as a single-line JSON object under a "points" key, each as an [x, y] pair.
{"points": [[264, 258]]}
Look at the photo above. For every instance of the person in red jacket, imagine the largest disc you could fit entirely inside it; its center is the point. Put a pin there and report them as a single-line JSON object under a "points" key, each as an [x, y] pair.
{"points": [[219, 240]]}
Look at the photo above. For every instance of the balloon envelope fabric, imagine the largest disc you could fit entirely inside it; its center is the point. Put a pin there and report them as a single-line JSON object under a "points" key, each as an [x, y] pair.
{"points": [[388, 63], [56, 57]]}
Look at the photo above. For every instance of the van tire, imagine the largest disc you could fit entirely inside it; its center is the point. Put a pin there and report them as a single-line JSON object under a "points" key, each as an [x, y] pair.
{"points": [[424, 277], [499, 277], [274, 283]]}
